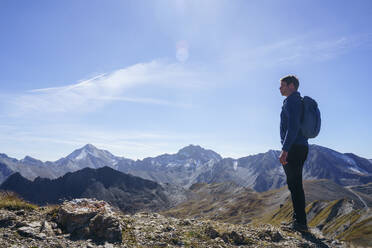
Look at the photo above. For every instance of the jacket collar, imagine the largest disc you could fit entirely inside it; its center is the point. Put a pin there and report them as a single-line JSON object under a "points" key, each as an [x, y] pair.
{"points": [[294, 94]]}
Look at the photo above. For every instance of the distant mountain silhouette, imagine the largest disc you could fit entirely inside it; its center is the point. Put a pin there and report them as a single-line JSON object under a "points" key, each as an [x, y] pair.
{"points": [[127, 192]]}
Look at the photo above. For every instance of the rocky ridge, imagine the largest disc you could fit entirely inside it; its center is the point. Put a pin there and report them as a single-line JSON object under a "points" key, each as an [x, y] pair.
{"points": [[92, 223], [127, 192]]}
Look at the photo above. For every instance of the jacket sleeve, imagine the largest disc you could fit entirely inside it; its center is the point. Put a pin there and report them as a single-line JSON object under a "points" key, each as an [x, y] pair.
{"points": [[293, 110]]}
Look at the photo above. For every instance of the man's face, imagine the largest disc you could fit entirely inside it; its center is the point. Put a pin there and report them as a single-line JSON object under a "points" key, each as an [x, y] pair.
{"points": [[285, 89]]}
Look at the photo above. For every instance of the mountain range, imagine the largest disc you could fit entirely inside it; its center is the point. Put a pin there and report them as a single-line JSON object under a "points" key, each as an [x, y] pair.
{"points": [[126, 192], [199, 183], [339, 212], [194, 164], [225, 201]]}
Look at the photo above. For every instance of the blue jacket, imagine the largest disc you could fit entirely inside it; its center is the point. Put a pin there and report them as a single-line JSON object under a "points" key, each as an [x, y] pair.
{"points": [[290, 120]]}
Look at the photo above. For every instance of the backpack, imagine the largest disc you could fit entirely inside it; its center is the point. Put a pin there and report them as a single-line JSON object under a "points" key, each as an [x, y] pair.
{"points": [[310, 125]]}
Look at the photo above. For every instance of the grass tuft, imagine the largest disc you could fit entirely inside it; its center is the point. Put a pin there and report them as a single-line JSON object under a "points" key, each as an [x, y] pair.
{"points": [[11, 201]]}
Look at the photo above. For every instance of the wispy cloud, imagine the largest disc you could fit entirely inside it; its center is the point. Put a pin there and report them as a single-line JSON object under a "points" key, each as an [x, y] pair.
{"points": [[142, 100], [60, 140], [301, 49], [88, 95]]}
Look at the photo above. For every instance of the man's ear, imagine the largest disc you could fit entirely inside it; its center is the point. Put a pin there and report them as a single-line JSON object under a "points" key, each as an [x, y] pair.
{"points": [[291, 86]]}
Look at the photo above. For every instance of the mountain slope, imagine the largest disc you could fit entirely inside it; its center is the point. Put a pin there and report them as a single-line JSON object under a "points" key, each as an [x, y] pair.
{"points": [[331, 208], [127, 192], [364, 192], [222, 201], [336, 219], [263, 171], [344, 169], [260, 172], [10, 165], [232, 203], [181, 168]]}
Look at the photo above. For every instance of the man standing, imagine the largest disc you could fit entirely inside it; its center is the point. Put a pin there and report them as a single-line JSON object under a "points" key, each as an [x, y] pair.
{"points": [[295, 148]]}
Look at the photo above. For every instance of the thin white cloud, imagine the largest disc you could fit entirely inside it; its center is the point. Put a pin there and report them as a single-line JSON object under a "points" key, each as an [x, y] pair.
{"points": [[142, 100], [53, 142], [296, 50], [88, 95]]}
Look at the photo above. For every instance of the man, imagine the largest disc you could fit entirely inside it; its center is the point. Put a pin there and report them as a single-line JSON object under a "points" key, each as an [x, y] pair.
{"points": [[295, 148]]}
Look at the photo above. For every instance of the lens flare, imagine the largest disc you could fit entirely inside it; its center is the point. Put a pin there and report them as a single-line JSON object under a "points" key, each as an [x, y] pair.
{"points": [[182, 51]]}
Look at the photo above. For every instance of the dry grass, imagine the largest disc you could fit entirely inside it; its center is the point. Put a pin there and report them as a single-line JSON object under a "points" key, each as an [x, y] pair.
{"points": [[360, 233], [11, 201]]}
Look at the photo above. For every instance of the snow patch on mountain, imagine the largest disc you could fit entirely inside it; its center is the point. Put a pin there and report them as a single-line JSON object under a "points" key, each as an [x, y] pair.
{"points": [[82, 155], [211, 163], [187, 165], [352, 164], [235, 165], [354, 169]]}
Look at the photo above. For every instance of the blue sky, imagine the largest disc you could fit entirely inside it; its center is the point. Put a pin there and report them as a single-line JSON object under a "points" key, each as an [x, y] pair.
{"points": [[141, 78]]}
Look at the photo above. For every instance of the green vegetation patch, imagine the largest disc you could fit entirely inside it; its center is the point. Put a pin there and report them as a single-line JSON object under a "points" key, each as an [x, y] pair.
{"points": [[11, 201], [346, 221], [282, 214], [323, 215], [360, 233]]}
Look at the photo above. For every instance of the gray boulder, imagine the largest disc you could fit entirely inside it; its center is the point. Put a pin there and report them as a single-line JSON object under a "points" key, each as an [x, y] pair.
{"points": [[90, 219]]}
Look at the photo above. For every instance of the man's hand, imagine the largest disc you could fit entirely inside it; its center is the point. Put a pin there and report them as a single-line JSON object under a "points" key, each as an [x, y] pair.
{"points": [[283, 157]]}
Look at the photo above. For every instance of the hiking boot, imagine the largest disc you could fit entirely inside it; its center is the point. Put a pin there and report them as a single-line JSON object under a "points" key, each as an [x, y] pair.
{"points": [[300, 227], [295, 226]]}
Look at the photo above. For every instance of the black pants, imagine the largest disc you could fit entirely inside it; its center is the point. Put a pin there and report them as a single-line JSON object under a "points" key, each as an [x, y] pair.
{"points": [[293, 170]]}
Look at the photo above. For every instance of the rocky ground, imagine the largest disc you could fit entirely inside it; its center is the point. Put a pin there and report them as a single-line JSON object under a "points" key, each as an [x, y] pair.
{"points": [[91, 223]]}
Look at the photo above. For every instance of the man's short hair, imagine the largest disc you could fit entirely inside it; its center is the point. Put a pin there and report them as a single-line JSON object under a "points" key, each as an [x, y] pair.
{"points": [[291, 79]]}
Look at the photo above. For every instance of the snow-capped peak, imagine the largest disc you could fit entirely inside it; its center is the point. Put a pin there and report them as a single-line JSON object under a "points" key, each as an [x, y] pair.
{"points": [[89, 150]]}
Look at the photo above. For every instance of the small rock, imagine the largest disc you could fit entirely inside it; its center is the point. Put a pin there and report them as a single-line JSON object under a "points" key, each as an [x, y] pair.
{"points": [[269, 235], [28, 231], [20, 212], [185, 223], [218, 239], [53, 225], [89, 245], [108, 245], [211, 233], [160, 244], [7, 221], [6, 216], [34, 224], [167, 229], [276, 236], [41, 236], [47, 228], [234, 238]]}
